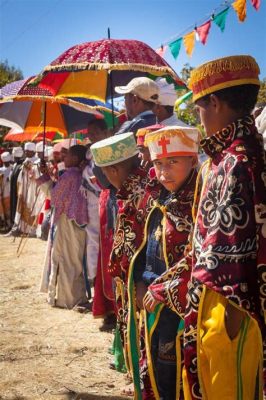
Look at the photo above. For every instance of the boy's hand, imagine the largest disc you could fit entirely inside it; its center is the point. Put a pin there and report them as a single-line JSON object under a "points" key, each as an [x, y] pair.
{"points": [[149, 302], [93, 179], [43, 167], [233, 320], [141, 290]]}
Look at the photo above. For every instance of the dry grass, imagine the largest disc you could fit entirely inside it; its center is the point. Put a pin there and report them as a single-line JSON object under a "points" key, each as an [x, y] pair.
{"points": [[45, 352]]}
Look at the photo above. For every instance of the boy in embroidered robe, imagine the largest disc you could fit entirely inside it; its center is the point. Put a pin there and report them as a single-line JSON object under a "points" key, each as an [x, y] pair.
{"points": [[225, 310], [173, 151], [117, 156]]}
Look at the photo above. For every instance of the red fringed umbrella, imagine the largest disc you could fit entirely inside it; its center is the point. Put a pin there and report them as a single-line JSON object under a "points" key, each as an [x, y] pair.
{"points": [[93, 69]]}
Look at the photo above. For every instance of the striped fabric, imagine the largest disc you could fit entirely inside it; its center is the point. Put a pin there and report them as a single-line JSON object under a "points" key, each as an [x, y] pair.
{"points": [[12, 89]]}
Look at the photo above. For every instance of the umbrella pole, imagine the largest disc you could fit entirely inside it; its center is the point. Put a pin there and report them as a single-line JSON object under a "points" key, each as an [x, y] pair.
{"points": [[44, 128], [111, 85]]}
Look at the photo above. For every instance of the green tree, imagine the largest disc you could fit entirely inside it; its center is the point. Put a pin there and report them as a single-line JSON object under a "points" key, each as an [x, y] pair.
{"points": [[262, 92], [9, 73], [185, 72], [188, 113]]}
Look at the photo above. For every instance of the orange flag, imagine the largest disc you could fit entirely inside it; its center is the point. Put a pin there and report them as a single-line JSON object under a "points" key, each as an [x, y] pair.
{"points": [[189, 42], [240, 7]]}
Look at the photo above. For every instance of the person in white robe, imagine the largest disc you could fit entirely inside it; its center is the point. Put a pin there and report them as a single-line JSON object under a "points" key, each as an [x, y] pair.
{"points": [[5, 173], [29, 199], [91, 191]]}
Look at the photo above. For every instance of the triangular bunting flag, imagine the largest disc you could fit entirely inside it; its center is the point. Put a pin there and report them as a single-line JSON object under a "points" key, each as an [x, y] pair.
{"points": [[220, 19], [240, 7], [189, 42], [256, 4], [203, 31], [161, 50], [175, 47]]}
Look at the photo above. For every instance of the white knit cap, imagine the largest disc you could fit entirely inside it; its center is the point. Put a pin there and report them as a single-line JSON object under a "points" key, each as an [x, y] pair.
{"points": [[6, 156], [167, 93], [30, 146]]}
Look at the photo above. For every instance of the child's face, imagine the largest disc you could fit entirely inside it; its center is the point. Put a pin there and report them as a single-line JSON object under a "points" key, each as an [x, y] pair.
{"points": [[63, 153], [173, 171], [115, 174], [144, 153], [214, 114], [71, 160]]}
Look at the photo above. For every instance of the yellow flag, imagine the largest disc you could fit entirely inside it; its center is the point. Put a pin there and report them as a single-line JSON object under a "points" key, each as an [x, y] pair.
{"points": [[189, 42], [240, 7]]}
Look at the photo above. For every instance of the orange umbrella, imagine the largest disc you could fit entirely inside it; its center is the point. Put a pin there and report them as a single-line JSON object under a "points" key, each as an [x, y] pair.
{"points": [[18, 135]]}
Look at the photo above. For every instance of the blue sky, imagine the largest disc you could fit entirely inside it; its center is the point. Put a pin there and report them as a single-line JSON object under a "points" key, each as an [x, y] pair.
{"points": [[35, 32]]}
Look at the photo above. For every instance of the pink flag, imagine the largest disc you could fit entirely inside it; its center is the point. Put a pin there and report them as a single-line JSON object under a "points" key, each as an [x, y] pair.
{"points": [[203, 31], [161, 50], [256, 4]]}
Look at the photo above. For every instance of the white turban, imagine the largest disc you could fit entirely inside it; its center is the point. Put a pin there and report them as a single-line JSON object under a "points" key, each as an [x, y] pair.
{"points": [[17, 152], [67, 143], [39, 147], [6, 156], [57, 147], [167, 93], [30, 146], [50, 153]]}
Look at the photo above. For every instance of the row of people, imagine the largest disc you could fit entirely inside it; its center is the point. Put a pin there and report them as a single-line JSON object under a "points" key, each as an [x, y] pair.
{"points": [[188, 257], [174, 248]]}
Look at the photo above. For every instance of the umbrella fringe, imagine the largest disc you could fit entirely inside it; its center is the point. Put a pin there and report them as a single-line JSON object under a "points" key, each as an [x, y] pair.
{"points": [[61, 100], [105, 66]]}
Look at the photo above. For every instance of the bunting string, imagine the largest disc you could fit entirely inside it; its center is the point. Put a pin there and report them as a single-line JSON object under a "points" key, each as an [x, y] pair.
{"points": [[200, 31]]}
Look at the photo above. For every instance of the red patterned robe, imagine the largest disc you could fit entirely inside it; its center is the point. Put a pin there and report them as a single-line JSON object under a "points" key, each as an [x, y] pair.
{"points": [[104, 301], [177, 222], [229, 241], [129, 197]]}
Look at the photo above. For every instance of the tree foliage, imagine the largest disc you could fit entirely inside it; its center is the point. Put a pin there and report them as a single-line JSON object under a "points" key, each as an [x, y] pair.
{"points": [[262, 92], [9, 73], [187, 112]]}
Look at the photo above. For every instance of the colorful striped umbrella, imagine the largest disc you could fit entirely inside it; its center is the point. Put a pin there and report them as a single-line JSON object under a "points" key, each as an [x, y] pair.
{"points": [[35, 110], [93, 69], [18, 135]]}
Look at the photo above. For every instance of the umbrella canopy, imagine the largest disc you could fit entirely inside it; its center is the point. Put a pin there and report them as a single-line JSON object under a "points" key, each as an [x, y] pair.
{"points": [[60, 117], [23, 107], [18, 135], [93, 69]]}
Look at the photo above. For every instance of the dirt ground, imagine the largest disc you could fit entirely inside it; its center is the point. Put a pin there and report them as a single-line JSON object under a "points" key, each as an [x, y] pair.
{"points": [[47, 353]]}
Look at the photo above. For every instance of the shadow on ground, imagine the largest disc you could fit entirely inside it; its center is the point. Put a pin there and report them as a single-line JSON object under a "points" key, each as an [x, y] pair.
{"points": [[87, 396]]}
